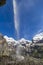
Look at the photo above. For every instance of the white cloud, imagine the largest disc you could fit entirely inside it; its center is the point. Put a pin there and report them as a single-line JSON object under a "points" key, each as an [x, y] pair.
{"points": [[39, 31]]}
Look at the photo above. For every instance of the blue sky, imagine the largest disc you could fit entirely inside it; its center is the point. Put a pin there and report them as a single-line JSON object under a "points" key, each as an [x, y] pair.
{"points": [[30, 18]]}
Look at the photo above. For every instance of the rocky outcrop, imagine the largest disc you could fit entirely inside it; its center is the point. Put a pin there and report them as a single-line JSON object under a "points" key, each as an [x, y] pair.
{"points": [[3, 46]]}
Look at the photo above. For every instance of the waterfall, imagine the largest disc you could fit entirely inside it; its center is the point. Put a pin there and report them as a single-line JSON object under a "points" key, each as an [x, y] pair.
{"points": [[16, 17], [16, 24]]}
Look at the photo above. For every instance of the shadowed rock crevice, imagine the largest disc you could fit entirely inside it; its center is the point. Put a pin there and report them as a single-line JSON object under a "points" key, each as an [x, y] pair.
{"points": [[2, 2]]}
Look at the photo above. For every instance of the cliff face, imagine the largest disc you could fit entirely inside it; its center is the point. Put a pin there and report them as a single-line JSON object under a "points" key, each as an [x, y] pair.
{"points": [[31, 52], [3, 45]]}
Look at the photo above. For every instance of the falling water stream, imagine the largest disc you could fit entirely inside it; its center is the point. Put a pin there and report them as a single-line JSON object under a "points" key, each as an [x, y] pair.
{"points": [[16, 17], [16, 24]]}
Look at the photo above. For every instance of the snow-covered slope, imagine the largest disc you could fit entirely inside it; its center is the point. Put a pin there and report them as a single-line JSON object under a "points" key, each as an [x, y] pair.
{"points": [[11, 40], [38, 37], [24, 40]]}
